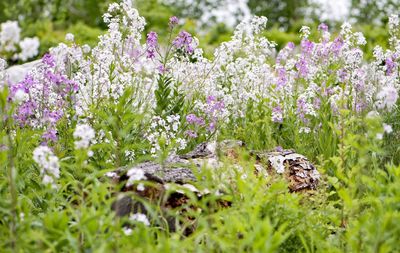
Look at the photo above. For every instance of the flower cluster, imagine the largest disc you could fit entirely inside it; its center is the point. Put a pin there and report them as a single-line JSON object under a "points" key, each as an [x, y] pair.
{"points": [[298, 82], [136, 174], [84, 135], [3, 65], [152, 43], [45, 96], [164, 134], [11, 45], [184, 42], [48, 163]]}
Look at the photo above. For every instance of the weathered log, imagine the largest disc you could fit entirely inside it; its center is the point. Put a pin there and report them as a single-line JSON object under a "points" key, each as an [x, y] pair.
{"points": [[297, 169], [175, 177]]}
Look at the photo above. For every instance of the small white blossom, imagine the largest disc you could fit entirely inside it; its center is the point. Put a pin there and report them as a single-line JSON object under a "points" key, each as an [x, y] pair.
{"points": [[20, 96], [305, 130], [48, 163], [86, 48], [305, 32], [139, 217], [387, 97], [387, 128], [83, 136], [140, 187], [127, 231], [69, 37], [135, 174]]}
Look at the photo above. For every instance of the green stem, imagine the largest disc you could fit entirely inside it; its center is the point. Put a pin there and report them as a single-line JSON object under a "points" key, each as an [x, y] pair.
{"points": [[13, 192]]}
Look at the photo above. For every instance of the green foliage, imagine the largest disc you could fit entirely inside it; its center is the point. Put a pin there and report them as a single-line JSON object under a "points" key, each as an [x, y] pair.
{"points": [[355, 208], [284, 12], [169, 100], [50, 36]]}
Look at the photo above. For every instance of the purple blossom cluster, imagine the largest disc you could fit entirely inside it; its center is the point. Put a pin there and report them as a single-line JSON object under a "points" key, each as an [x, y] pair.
{"points": [[48, 94], [173, 21], [211, 110], [152, 43], [184, 42]]}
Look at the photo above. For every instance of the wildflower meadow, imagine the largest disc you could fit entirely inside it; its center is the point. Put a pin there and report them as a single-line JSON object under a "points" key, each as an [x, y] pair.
{"points": [[146, 140]]}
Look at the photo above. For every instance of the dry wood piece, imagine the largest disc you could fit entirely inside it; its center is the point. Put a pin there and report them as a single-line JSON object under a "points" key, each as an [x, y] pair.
{"points": [[297, 169]]}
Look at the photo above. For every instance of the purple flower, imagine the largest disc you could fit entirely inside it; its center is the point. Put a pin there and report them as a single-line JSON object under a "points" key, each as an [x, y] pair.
{"points": [[173, 21], [301, 109], [52, 77], [307, 46], [302, 67], [212, 126], [390, 65], [191, 134], [337, 45], [360, 106], [211, 99], [291, 45], [25, 111], [214, 104], [281, 77], [342, 74], [184, 42], [50, 135], [193, 119], [323, 27], [277, 116], [49, 60], [152, 42], [24, 85], [162, 69], [317, 103], [278, 149], [152, 39], [52, 116]]}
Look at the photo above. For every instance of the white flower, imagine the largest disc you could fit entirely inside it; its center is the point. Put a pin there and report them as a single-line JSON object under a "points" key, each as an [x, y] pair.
{"points": [[135, 174], [393, 22], [111, 174], [130, 155], [29, 48], [83, 135], [69, 37], [9, 35], [304, 130], [387, 128], [360, 38], [139, 217], [378, 53], [127, 231], [140, 187], [346, 28], [86, 48], [3, 64], [372, 114], [48, 163], [20, 96], [387, 97], [305, 32]]}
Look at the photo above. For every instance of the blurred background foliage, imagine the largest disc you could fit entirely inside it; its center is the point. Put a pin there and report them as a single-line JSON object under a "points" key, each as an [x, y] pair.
{"points": [[50, 20]]}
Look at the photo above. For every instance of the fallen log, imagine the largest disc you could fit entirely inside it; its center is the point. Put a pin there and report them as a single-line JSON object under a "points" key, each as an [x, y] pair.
{"points": [[168, 184]]}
